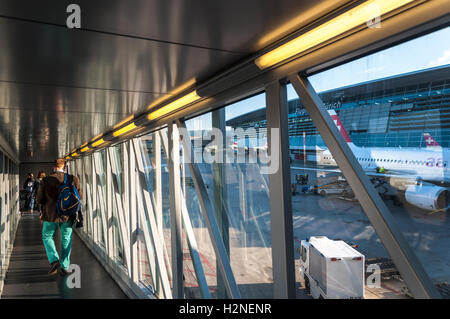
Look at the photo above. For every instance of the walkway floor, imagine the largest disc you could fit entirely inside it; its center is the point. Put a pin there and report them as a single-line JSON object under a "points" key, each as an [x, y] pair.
{"points": [[27, 274]]}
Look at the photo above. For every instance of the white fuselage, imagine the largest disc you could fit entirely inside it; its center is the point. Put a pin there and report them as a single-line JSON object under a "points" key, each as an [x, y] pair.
{"points": [[426, 164]]}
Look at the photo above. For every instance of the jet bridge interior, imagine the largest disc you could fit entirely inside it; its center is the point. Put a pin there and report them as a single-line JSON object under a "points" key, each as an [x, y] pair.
{"points": [[129, 97]]}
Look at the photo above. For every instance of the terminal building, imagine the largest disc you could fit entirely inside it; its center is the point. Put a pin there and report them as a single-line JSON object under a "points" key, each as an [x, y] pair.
{"points": [[193, 128], [388, 112]]}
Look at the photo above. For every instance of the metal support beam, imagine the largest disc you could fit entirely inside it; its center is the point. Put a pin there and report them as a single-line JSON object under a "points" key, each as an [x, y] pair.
{"points": [[88, 191], [95, 209], [109, 207], [193, 249], [133, 225], [119, 208], [210, 219], [101, 211], [175, 211], [148, 216], [281, 223], [218, 122], [379, 216]]}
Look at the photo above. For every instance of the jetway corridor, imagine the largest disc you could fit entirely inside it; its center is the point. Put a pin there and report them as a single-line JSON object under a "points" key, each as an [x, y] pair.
{"points": [[27, 273], [228, 149]]}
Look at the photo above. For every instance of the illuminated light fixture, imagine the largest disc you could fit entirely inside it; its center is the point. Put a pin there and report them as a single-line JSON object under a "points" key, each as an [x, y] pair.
{"points": [[175, 105], [362, 14], [67, 157], [97, 143], [124, 129], [84, 149], [74, 154]]}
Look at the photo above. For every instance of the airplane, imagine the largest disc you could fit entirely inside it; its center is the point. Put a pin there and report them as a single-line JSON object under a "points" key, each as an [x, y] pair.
{"points": [[430, 142], [416, 171]]}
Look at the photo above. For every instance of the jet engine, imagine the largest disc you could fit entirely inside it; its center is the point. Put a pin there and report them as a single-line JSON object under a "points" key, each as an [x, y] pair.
{"points": [[427, 196]]}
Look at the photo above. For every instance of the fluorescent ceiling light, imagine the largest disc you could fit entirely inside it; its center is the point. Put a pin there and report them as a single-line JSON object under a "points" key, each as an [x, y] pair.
{"points": [[362, 14], [175, 105], [124, 129], [84, 149], [97, 143]]}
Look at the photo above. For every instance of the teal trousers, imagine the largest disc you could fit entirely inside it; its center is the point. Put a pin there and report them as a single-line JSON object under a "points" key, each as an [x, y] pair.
{"points": [[48, 233]]}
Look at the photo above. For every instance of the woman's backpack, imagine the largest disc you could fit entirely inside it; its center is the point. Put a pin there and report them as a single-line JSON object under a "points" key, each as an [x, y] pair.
{"points": [[29, 185], [68, 198]]}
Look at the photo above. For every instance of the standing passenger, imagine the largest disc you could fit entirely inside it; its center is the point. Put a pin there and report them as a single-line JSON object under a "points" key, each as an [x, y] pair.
{"points": [[47, 197], [28, 186], [41, 175]]}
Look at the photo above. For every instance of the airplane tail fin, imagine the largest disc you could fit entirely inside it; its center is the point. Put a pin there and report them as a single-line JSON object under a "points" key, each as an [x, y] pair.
{"points": [[340, 126], [430, 142]]}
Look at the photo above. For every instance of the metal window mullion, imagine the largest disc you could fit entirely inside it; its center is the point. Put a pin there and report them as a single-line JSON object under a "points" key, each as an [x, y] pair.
{"points": [[133, 221], [3, 219], [89, 191], [378, 214], [175, 212], [210, 219], [218, 169], [7, 211], [93, 177], [158, 181], [102, 208], [87, 197], [109, 208], [192, 244], [193, 249], [126, 185], [157, 192], [147, 215], [281, 223], [119, 208]]}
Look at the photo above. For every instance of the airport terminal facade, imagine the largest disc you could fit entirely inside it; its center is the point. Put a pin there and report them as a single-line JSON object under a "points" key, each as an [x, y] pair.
{"points": [[389, 112]]}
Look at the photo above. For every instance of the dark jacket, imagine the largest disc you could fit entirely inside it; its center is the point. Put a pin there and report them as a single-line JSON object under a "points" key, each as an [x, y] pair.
{"points": [[36, 185], [29, 182], [48, 195]]}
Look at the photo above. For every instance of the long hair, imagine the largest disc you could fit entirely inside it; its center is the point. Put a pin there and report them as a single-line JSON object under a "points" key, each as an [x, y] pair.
{"points": [[41, 174]]}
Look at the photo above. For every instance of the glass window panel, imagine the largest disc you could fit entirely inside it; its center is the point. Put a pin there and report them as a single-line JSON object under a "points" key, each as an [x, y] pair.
{"points": [[416, 193], [241, 189], [157, 179], [101, 194], [117, 169]]}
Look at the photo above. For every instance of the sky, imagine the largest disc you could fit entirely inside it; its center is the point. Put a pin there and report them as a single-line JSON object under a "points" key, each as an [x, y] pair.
{"points": [[425, 52]]}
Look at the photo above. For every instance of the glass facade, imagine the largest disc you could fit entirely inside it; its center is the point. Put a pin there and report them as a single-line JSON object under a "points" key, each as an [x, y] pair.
{"points": [[9, 208], [394, 123]]}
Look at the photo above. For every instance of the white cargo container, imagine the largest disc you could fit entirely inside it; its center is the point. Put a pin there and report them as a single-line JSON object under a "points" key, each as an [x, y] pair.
{"points": [[331, 269]]}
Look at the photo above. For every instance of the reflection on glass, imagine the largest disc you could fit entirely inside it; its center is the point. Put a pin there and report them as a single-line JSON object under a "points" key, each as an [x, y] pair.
{"points": [[157, 178], [116, 160], [239, 193], [101, 194]]}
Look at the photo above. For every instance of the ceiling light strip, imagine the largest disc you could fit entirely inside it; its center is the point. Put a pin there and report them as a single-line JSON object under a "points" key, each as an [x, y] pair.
{"points": [[362, 14]]}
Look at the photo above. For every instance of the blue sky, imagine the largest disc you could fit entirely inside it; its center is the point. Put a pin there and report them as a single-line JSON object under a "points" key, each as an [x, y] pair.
{"points": [[428, 51]]}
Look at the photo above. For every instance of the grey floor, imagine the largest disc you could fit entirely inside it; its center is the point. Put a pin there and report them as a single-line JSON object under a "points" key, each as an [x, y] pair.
{"points": [[27, 273]]}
